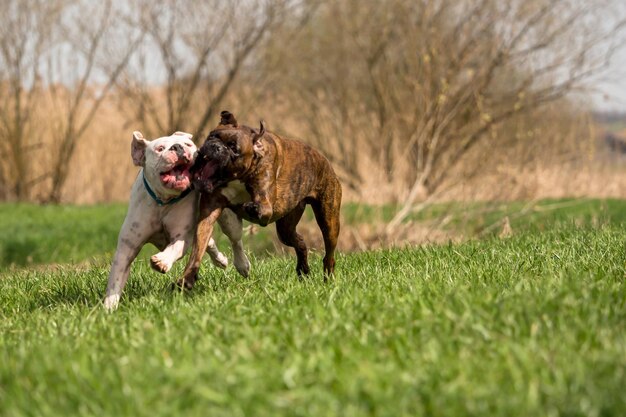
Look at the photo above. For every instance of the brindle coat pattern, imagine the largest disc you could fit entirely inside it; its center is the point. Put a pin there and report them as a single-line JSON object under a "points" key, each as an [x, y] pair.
{"points": [[281, 176]]}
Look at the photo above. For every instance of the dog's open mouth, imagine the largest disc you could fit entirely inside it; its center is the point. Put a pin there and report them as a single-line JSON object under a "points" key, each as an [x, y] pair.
{"points": [[204, 178], [178, 178]]}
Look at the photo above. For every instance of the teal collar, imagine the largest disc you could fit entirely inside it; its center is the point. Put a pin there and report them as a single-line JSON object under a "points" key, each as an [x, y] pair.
{"points": [[157, 199]]}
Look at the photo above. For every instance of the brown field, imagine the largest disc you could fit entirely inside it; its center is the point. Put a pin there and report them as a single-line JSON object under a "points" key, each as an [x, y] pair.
{"points": [[555, 166]]}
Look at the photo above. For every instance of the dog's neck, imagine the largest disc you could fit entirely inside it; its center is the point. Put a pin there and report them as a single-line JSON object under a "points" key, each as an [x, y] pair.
{"points": [[162, 200]]}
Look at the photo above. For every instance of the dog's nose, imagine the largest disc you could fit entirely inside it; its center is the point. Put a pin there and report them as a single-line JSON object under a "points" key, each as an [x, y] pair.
{"points": [[215, 147], [180, 152]]}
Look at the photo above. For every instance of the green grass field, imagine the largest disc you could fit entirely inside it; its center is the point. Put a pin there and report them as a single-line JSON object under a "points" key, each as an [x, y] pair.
{"points": [[39, 235], [533, 325]]}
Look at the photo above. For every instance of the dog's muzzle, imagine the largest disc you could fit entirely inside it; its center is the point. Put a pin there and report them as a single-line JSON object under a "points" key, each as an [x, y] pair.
{"points": [[180, 152], [207, 171]]}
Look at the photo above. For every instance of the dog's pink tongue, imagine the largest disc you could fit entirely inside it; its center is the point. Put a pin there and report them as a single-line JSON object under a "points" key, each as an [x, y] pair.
{"points": [[203, 179], [177, 179], [208, 170]]}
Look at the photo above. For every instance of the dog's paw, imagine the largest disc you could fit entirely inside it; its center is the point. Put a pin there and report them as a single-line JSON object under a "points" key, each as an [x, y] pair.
{"points": [[252, 209], [111, 302], [183, 285], [159, 265], [242, 264], [220, 260], [258, 213]]}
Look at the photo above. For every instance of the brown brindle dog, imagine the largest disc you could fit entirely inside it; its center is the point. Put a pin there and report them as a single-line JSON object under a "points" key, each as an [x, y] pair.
{"points": [[263, 178]]}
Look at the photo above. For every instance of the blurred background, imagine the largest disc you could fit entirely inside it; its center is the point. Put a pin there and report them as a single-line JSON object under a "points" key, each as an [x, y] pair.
{"points": [[433, 112]]}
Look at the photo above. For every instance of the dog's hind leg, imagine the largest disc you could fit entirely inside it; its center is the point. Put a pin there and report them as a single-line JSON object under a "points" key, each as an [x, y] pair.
{"points": [[232, 227], [286, 230], [218, 258], [326, 211]]}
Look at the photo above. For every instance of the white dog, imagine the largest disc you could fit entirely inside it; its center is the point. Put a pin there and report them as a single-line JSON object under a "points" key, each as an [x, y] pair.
{"points": [[162, 211]]}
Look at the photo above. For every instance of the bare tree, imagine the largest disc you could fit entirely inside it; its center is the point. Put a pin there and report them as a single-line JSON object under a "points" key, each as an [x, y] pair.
{"points": [[93, 52], [512, 59], [414, 87], [196, 50], [418, 92], [58, 64], [26, 31]]}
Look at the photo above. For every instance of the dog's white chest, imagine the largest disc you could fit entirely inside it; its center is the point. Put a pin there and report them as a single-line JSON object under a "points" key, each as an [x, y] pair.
{"points": [[236, 192]]}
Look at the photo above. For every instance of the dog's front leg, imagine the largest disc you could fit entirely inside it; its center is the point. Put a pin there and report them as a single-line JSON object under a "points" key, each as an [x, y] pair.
{"points": [[260, 209], [211, 207], [180, 237], [218, 258], [162, 262], [129, 243]]}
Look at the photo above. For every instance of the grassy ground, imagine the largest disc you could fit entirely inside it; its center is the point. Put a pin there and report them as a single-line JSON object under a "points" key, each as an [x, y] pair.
{"points": [[36, 235], [533, 325]]}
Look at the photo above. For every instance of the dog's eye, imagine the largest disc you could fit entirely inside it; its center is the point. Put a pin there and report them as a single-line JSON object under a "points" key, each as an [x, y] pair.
{"points": [[160, 148], [189, 144], [233, 146]]}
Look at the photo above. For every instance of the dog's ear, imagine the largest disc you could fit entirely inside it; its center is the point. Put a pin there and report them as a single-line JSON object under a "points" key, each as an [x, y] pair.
{"points": [[138, 149], [257, 143], [188, 135], [227, 118]]}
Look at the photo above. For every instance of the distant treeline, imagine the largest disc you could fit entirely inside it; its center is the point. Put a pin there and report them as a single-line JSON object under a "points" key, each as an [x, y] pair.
{"points": [[606, 117]]}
